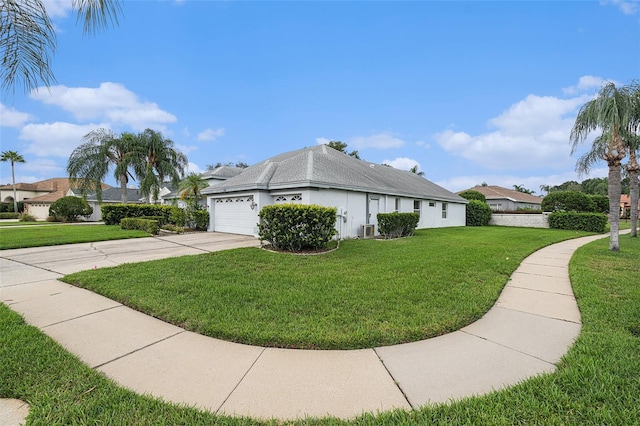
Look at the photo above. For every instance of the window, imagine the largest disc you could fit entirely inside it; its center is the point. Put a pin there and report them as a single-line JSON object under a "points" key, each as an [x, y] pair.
{"points": [[416, 206], [432, 203], [444, 210], [397, 205]]}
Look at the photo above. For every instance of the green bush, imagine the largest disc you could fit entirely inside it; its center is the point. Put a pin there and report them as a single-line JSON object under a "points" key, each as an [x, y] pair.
{"points": [[568, 201], [9, 215], [478, 213], [470, 194], [25, 217], [8, 207], [601, 203], [590, 222], [69, 208], [297, 227], [177, 216], [396, 225], [161, 219], [200, 219], [112, 214], [146, 225]]}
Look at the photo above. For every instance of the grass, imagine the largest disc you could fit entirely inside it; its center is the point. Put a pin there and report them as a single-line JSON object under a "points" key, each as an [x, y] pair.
{"points": [[368, 293], [596, 383], [3, 223], [37, 236]]}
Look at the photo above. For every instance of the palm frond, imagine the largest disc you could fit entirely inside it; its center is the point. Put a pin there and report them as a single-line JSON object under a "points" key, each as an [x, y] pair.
{"points": [[97, 15]]}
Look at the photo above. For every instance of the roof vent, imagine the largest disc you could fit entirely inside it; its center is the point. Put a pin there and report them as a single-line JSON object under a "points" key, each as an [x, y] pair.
{"points": [[372, 165]]}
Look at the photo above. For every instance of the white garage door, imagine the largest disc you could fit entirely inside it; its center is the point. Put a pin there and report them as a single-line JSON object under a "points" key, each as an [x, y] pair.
{"points": [[234, 215]]}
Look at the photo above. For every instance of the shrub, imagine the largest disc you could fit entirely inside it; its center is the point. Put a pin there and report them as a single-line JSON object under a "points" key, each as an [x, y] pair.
{"points": [[177, 216], [396, 225], [601, 203], [173, 228], [9, 215], [470, 194], [200, 219], [478, 213], [146, 225], [8, 207], [25, 217], [161, 219], [590, 222], [297, 227], [112, 214], [568, 201], [70, 208]]}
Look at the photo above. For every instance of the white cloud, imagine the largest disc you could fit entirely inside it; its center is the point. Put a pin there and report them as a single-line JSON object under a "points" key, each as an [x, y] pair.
{"points": [[322, 141], [423, 144], [210, 134], [57, 139], [12, 117], [627, 7], [58, 8], [44, 167], [193, 168], [110, 101], [587, 83], [402, 163], [186, 149], [382, 140], [532, 133]]}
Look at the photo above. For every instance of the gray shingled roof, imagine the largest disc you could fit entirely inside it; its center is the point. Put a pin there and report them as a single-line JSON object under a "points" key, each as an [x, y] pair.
{"points": [[324, 167], [222, 172], [113, 195]]}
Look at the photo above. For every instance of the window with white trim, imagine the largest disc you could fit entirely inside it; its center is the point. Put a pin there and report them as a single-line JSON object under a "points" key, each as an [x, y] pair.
{"points": [[416, 206], [444, 210]]}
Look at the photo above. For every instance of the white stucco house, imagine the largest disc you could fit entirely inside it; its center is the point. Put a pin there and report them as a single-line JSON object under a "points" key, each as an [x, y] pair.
{"points": [[169, 194], [323, 176]]}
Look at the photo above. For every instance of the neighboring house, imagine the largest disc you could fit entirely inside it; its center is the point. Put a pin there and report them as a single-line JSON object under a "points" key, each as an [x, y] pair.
{"points": [[169, 194], [625, 206], [109, 196], [323, 176], [504, 199], [38, 196]]}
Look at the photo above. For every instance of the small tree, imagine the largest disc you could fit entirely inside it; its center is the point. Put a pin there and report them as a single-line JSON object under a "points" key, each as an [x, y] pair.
{"points": [[68, 209], [568, 201], [470, 194]]}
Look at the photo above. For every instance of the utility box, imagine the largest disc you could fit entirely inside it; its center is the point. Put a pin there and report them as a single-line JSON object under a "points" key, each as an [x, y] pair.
{"points": [[368, 231]]}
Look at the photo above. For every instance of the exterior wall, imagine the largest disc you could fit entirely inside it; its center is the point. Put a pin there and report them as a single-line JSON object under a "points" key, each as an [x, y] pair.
{"points": [[521, 220], [21, 194], [504, 204]]}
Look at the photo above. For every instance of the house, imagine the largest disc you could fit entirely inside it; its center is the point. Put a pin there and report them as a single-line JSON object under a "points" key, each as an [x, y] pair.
{"points": [[38, 196], [625, 206], [504, 199], [323, 176], [169, 194], [110, 195]]}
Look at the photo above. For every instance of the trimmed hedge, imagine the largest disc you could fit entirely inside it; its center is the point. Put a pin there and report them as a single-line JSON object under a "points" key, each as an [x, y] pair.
{"points": [[590, 222], [112, 214], [396, 225], [200, 219], [8, 207], [146, 225], [478, 213], [568, 201], [7, 215], [297, 227], [471, 194], [601, 203]]}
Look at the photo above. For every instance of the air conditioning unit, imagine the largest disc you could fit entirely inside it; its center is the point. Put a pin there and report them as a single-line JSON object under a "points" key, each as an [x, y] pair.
{"points": [[368, 231]]}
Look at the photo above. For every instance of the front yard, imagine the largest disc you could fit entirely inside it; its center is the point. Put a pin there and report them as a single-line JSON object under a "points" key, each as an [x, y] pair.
{"points": [[597, 382]]}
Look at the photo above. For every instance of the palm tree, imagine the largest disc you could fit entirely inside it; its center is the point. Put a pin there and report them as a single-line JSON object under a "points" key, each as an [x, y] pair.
{"points": [[611, 111], [14, 157], [414, 169], [157, 160], [633, 168], [191, 187], [28, 38], [90, 162]]}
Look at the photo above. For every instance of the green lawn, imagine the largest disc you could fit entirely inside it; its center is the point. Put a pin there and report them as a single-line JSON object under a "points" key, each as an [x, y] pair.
{"points": [[37, 236], [597, 382], [3, 223], [368, 293]]}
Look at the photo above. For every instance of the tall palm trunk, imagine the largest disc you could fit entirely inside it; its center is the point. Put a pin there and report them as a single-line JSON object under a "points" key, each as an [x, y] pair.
{"points": [[15, 196], [615, 188], [123, 189], [633, 168]]}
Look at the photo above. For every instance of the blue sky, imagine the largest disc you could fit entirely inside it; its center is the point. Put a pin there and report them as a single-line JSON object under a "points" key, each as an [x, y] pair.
{"points": [[472, 92]]}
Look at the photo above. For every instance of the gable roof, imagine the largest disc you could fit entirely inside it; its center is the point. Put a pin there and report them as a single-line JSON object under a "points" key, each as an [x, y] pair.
{"points": [[48, 185], [113, 195], [323, 167], [493, 192], [222, 172]]}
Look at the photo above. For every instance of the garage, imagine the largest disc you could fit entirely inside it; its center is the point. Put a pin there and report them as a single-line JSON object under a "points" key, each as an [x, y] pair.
{"points": [[235, 215]]}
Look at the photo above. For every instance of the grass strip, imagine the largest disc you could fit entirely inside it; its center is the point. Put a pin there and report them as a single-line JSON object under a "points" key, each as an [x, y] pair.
{"points": [[368, 293], [53, 235]]}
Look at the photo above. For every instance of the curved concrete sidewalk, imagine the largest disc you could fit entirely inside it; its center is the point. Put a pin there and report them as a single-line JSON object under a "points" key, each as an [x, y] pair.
{"points": [[533, 323]]}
